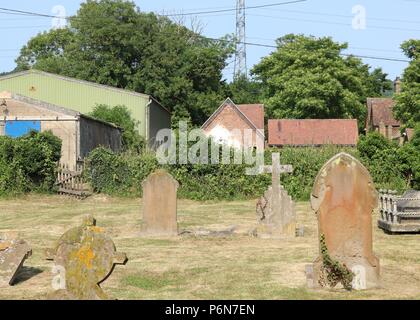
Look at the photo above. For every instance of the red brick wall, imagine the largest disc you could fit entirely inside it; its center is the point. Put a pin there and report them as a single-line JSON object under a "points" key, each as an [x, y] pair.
{"points": [[230, 119]]}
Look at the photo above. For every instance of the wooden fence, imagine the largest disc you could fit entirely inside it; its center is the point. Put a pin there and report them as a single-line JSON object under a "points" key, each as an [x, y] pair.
{"points": [[71, 182]]}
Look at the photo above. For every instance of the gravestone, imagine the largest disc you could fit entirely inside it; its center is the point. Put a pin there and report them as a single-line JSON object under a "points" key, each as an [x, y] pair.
{"points": [[343, 197], [399, 214], [13, 253], [275, 210], [84, 257], [159, 205]]}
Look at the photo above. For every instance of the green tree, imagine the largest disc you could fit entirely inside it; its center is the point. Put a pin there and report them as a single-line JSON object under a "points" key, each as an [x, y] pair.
{"points": [[306, 77], [371, 144], [378, 83], [111, 42], [121, 116], [407, 108], [409, 155], [243, 90]]}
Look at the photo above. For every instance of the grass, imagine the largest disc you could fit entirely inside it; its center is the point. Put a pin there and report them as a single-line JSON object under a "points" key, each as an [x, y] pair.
{"points": [[188, 267]]}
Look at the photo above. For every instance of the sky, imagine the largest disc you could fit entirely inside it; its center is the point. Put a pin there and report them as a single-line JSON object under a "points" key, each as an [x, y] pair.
{"points": [[373, 28]]}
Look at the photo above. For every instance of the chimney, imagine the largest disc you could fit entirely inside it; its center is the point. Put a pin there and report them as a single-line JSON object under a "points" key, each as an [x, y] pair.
{"points": [[397, 85]]}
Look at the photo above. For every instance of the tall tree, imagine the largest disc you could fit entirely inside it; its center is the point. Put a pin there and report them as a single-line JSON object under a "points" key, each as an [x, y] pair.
{"points": [[111, 42], [407, 108], [378, 83], [244, 90], [306, 77]]}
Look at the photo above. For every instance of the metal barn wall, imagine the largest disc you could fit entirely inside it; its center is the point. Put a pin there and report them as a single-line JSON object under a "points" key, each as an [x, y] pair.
{"points": [[159, 118], [75, 94], [93, 134]]}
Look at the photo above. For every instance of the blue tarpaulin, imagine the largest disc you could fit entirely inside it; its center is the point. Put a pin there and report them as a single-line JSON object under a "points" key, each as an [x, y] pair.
{"points": [[19, 128]]}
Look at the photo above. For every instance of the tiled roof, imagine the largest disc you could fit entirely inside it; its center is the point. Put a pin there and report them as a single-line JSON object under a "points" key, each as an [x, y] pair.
{"points": [[254, 112], [380, 110], [309, 132]]}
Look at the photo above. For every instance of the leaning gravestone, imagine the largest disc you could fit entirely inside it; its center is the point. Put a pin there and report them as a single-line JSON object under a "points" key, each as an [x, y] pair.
{"points": [[13, 253], [84, 257], [160, 205], [343, 198], [275, 210]]}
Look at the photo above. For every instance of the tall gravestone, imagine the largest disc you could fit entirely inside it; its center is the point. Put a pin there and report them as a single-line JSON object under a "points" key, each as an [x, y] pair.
{"points": [[343, 198], [275, 210], [160, 205], [84, 257]]}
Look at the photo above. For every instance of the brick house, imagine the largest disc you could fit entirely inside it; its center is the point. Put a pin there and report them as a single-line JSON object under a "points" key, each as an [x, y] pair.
{"points": [[381, 119], [312, 132], [231, 124]]}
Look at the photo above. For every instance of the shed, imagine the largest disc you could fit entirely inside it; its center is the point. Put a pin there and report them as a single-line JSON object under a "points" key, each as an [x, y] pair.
{"points": [[79, 133], [82, 96]]}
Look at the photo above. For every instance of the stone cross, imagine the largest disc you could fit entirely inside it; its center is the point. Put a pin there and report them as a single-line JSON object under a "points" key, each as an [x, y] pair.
{"points": [[343, 197], [84, 257], [276, 169], [275, 209]]}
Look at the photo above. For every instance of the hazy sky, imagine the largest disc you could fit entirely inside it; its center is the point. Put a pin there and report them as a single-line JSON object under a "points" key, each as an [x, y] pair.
{"points": [[388, 23]]}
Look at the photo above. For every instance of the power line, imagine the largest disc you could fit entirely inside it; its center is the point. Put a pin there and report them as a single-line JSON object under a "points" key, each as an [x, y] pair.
{"points": [[342, 54], [234, 9], [30, 13], [331, 22], [342, 15], [349, 47], [22, 27]]}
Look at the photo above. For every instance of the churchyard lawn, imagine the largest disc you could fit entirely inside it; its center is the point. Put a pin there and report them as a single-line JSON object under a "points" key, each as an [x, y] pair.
{"points": [[191, 267]]}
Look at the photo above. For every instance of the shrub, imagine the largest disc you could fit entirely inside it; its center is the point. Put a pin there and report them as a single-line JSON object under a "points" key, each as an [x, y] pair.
{"points": [[121, 116], [390, 165], [28, 163], [122, 174]]}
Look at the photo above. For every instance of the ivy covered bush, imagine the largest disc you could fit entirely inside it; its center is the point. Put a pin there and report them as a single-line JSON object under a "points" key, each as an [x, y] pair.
{"points": [[122, 174], [28, 163], [391, 166]]}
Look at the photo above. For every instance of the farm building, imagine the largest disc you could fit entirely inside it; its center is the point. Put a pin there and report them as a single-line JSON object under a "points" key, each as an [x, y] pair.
{"points": [[312, 132], [230, 117], [380, 118], [79, 133], [82, 96]]}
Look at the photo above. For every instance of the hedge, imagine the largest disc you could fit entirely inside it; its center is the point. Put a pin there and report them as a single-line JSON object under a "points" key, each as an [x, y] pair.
{"points": [[122, 174], [28, 163]]}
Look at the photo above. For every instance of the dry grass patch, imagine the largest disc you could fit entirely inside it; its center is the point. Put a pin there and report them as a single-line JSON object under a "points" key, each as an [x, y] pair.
{"points": [[188, 267]]}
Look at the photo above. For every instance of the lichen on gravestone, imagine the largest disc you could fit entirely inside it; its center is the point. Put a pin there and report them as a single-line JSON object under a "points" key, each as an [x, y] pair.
{"points": [[87, 257]]}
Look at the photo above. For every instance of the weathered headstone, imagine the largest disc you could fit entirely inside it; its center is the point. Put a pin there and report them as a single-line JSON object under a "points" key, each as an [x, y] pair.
{"points": [[343, 198], [275, 210], [84, 257], [13, 253], [160, 205]]}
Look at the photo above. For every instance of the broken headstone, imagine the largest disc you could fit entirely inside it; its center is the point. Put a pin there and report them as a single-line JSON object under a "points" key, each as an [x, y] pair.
{"points": [[84, 257], [13, 253]]}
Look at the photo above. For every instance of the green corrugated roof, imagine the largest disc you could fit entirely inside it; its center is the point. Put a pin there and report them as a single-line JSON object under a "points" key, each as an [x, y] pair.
{"points": [[75, 94]]}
